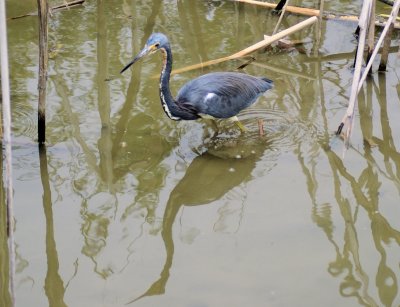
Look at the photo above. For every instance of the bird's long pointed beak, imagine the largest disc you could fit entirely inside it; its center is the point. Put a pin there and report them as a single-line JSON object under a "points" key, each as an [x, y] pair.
{"points": [[141, 54]]}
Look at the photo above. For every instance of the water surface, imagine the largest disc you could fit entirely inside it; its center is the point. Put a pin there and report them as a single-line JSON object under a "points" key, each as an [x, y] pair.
{"points": [[127, 206]]}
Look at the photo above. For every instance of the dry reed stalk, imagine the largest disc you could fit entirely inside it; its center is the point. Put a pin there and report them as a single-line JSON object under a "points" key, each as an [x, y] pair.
{"points": [[313, 12], [280, 17], [43, 13], [363, 24], [358, 81], [5, 87]]}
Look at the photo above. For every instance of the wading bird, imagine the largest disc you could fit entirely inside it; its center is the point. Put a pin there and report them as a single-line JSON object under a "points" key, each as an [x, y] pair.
{"points": [[217, 95]]}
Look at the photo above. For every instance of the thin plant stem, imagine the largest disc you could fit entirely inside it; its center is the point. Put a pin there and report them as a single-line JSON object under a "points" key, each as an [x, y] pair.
{"points": [[5, 85]]}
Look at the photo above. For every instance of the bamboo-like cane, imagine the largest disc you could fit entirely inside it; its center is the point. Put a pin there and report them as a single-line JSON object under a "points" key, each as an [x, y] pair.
{"points": [[267, 41], [5, 86], [43, 13]]}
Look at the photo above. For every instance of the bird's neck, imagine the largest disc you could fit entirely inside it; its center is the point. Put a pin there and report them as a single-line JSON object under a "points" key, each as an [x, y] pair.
{"points": [[168, 102]]}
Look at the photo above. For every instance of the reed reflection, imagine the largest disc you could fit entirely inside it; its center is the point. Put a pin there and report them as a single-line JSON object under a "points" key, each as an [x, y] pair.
{"points": [[53, 284], [387, 145], [105, 141], [191, 31], [5, 297], [134, 148], [137, 149], [353, 194]]}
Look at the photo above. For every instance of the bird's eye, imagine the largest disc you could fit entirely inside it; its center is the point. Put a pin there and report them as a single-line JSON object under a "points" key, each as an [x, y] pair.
{"points": [[157, 45]]}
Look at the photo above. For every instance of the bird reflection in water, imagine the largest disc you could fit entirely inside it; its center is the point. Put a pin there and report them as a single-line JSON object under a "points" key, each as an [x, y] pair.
{"points": [[214, 174]]}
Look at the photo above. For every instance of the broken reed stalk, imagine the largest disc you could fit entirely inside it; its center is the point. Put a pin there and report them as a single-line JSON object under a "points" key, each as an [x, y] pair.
{"points": [[5, 87], [267, 41], [280, 17], [43, 13], [313, 12], [348, 117]]}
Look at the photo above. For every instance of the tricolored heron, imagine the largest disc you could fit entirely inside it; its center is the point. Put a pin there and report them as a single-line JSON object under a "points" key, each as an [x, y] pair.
{"points": [[219, 95]]}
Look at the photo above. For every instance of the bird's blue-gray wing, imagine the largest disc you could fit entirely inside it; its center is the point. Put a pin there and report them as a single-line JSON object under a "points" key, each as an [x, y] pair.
{"points": [[222, 95]]}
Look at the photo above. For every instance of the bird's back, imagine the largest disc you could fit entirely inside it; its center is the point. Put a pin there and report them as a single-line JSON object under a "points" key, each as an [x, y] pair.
{"points": [[222, 94]]}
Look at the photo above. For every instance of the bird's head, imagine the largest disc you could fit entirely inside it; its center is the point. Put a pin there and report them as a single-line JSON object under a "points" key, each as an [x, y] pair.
{"points": [[155, 42]]}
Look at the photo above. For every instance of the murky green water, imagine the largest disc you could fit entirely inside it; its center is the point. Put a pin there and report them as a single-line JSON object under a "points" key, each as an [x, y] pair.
{"points": [[129, 206]]}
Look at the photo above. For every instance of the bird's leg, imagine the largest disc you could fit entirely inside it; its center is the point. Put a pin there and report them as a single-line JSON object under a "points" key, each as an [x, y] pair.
{"points": [[238, 123], [260, 126], [214, 127]]}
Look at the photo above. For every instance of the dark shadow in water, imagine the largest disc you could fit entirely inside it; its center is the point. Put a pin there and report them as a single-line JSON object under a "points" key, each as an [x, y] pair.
{"points": [[208, 178], [5, 297], [53, 284]]}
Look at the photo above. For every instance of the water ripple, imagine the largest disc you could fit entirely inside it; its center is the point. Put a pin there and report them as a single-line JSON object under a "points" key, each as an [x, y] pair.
{"points": [[283, 130], [282, 133], [23, 114]]}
